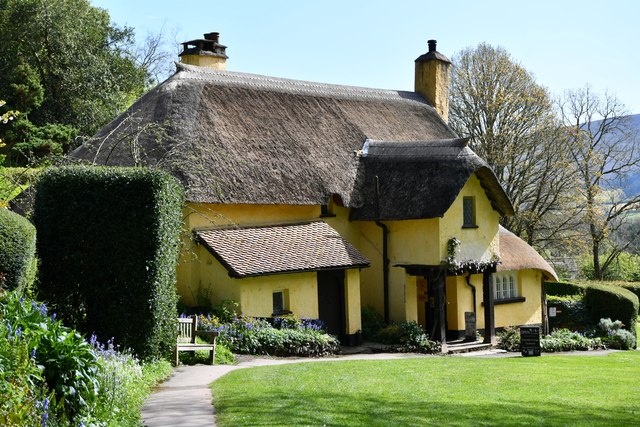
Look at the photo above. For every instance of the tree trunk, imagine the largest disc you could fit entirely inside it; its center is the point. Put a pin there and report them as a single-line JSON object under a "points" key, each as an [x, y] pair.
{"points": [[597, 271]]}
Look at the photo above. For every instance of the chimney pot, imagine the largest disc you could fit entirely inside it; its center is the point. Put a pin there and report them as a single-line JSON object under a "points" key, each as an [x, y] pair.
{"points": [[432, 45], [215, 37]]}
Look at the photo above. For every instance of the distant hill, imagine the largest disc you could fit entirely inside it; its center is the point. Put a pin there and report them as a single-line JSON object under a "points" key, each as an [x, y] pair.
{"points": [[632, 184]]}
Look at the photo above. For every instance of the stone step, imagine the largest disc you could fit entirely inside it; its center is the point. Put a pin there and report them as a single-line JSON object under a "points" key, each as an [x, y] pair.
{"points": [[467, 347]]}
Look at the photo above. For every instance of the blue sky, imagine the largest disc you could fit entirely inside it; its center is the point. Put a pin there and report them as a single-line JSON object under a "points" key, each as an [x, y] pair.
{"points": [[566, 44]]}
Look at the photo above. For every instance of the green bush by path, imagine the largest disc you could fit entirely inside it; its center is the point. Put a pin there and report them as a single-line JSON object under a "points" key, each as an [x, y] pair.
{"points": [[291, 337], [108, 244], [51, 376], [435, 391], [612, 302], [17, 251]]}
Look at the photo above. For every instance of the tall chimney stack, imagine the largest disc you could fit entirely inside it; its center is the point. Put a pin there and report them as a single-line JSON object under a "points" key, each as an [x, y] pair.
{"points": [[432, 79], [207, 52]]}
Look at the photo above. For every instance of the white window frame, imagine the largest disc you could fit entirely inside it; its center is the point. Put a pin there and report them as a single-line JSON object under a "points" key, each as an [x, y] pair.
{"points": [[505, 285]]}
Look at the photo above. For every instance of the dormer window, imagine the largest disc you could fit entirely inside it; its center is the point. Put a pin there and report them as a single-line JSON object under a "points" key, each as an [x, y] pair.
{"points": [[469, 212]]}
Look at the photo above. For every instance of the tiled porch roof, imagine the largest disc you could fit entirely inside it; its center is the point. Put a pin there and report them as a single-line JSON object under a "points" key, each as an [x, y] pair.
{"points": [[258, 251]]}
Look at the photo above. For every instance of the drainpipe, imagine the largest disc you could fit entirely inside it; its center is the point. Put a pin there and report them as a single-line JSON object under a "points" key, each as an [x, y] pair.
{"points": [[473, 290], [385, 253]]}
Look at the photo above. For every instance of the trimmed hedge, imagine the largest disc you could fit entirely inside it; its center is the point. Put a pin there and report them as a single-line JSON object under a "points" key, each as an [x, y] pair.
{"points": [[614, 302], [17, 251], [108, 241], [564, 289], [633, 287]]}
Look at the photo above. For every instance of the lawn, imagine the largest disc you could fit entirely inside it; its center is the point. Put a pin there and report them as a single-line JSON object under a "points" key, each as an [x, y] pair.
{"points": [[548, 390]]}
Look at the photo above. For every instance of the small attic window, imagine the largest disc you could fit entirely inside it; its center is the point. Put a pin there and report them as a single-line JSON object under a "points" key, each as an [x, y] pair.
{"points": [[469, 212]]}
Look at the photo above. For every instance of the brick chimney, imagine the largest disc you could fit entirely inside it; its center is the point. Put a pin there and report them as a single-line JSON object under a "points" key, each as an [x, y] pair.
{"points": [[205, 52], [432, 79]]}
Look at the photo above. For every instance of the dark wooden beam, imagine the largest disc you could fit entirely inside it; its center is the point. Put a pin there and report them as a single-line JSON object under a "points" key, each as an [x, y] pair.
{"points": [[489, 313]]}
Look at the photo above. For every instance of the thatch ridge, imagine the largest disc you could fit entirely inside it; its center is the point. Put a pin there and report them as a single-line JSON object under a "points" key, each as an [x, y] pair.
{"points": [[516, 254], [421, 179]]}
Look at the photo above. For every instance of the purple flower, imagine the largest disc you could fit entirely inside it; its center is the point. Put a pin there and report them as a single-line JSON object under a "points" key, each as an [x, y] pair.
{"points": [[18, 332], [93, 340], [43, 310], [33, 353]]}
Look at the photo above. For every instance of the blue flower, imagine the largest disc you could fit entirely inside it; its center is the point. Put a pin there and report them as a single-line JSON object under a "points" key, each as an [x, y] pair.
{"points": [[43, 310], [33, 353]]}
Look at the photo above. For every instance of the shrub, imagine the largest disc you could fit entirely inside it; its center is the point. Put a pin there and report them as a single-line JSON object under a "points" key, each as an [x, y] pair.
{"points": [[564, 289], [257, 336], [372, 323], [632, 286], [614, 336], [14, 180], [49, 375], [17, 251], [571, 312], [407, 337], [613, 302], [565, 340], [559, 340], [108, 243], [509, 339]]}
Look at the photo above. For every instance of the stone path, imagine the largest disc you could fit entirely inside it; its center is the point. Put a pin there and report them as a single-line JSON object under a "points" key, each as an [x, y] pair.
{"points": [[185, 399]]}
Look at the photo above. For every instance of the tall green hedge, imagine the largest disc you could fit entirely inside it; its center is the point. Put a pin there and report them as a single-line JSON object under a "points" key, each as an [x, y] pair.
{"points": [[613, 302], [564, 289], [108, 241], [17, 251]]}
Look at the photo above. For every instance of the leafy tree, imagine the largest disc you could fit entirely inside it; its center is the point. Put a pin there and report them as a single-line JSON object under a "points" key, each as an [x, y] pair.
{"points": [[510, 120], [67, 69], [605, 148]]}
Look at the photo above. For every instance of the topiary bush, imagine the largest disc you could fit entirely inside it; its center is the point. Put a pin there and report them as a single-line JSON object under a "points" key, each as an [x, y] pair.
{"points": [[108, 242], [612, 302], [564, 289], [17, 251]]}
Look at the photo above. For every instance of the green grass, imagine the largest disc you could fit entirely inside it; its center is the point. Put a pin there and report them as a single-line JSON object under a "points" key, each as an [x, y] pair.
{"points": [[548, 390]]}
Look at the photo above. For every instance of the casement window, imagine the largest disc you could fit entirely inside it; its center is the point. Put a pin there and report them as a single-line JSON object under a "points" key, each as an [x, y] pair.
{"points": [[505, 285], [469, 212], [280, 303]]}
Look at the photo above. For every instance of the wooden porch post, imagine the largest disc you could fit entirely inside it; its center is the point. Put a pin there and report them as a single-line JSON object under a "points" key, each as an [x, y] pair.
{"points": [[489, 314], [438, 277]]}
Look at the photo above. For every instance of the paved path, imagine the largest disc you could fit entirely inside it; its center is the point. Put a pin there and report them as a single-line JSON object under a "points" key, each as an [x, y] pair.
{"points": [[185, 399]]}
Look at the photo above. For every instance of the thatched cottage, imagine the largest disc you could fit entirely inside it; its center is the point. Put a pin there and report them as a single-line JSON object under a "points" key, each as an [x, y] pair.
{"points": [[318, 199]]}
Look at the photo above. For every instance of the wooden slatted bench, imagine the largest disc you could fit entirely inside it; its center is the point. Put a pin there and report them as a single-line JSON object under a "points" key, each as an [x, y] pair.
{"points": [[187, 333]]}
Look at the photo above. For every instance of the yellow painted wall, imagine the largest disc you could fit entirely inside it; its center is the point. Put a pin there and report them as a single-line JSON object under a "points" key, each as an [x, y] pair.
{"points": [[202, 279], [256, 294], [481, 243], [195, 274], [207, 215], [523, 313], [511, 314], [353, 318], [208, 61]]}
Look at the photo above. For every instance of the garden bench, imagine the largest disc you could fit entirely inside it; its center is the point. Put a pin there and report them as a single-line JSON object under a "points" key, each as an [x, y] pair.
{"points": [[187, 333]]}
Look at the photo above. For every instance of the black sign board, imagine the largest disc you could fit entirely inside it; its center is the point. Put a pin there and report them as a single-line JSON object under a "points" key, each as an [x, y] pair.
{"points": [[530, 340], [470, 324]]}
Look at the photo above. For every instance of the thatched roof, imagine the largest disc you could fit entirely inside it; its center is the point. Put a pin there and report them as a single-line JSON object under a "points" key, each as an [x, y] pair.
{"points": [[290, 248], [242, 138], [516, 254], [421, 179]]}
